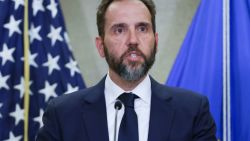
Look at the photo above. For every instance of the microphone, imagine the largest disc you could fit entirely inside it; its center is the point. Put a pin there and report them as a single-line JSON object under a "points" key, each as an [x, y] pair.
{"points": [[118, 106]]}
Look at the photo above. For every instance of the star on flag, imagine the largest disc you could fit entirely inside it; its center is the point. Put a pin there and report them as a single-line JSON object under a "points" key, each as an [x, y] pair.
{"points": [[52, 68]]}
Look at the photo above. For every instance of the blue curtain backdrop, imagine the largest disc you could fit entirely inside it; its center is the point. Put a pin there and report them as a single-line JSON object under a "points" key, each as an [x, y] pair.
{"points": [[198, 65], [240, 69]]}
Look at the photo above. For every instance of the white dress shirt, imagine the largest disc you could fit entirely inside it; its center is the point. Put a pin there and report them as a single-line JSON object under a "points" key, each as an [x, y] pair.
{"points": [[142, 106]]}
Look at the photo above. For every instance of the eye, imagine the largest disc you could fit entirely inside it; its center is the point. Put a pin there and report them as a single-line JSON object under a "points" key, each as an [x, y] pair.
{"points": [[119, 30], [142, 28]]}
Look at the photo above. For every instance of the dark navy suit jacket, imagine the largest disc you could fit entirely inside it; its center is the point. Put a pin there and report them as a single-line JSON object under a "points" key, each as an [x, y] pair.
{"points": [[176, 115]]}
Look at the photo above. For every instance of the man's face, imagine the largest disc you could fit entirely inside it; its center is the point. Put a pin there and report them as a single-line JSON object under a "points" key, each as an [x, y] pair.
{"points": [[129, 43]]}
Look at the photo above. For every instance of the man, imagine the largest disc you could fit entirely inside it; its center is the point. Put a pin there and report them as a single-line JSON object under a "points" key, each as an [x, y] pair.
{"points": [[128, 41]]}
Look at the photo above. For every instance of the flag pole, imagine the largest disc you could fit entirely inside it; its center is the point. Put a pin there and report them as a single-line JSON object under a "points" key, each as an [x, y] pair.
{"points": [[226, 72], [26, 70]]}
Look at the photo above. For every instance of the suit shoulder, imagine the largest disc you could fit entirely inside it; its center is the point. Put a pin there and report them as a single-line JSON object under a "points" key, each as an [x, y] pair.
{"points": [[184, 93], [182, 97], [174, 92], [71, 99], [188, 100]]}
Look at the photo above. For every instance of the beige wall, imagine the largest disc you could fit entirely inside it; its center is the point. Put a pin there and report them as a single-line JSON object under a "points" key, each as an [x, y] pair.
{"points": [[173, 19]]}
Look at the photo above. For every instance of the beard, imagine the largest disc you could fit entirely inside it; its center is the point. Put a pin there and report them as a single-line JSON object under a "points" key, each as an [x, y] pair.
{"points": [[132, 71]]}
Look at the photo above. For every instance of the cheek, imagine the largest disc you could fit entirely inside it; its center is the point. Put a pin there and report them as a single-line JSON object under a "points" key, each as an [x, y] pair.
{"points": [[115, 47], [147, 44]]}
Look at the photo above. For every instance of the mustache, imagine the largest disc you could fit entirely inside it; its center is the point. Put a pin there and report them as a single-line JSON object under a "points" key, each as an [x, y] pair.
{"points": [[133, 49]]}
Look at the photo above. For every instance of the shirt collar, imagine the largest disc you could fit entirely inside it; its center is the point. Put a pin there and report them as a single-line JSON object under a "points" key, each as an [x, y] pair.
{"points": [[112, 90]]}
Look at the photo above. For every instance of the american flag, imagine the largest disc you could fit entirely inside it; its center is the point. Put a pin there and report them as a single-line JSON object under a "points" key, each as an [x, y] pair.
{"points": [[53, 69]]}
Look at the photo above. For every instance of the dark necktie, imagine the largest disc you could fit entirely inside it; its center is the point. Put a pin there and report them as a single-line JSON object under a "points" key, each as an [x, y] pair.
{"points": [[129, 126]]}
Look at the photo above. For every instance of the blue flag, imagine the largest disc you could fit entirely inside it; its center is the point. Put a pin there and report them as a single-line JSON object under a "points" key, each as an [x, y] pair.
{"points": [[53, 69], [240, 68], [198, 66]]}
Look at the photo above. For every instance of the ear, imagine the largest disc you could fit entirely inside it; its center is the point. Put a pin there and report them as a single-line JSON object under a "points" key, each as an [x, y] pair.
{"points": [[100, 46], [156, 40]]}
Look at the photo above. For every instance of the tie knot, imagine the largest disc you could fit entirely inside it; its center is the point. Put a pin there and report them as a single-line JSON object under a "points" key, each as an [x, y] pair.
{"points": [[128, 99]]}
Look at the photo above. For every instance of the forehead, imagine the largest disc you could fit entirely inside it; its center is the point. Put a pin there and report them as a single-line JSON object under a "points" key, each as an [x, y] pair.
{"points": [[127, 11]]}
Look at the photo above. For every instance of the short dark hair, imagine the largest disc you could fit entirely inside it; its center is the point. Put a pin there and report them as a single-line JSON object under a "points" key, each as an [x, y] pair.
{"points": [[102, 8]]}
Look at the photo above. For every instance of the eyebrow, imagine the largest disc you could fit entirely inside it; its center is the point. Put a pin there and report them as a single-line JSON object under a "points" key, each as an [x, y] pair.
{"points": [[144, 24], [118, 25]]}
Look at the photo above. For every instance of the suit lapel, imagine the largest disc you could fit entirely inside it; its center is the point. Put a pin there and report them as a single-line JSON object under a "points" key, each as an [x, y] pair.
{"points": [[94, 113], [161, 115]]}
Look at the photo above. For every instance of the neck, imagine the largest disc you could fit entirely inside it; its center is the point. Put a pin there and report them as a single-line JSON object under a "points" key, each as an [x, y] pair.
{"points": [[124, 84]]}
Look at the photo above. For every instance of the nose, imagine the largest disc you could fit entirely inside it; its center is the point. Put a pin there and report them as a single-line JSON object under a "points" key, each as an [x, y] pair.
{"points": [[132, 38]]}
